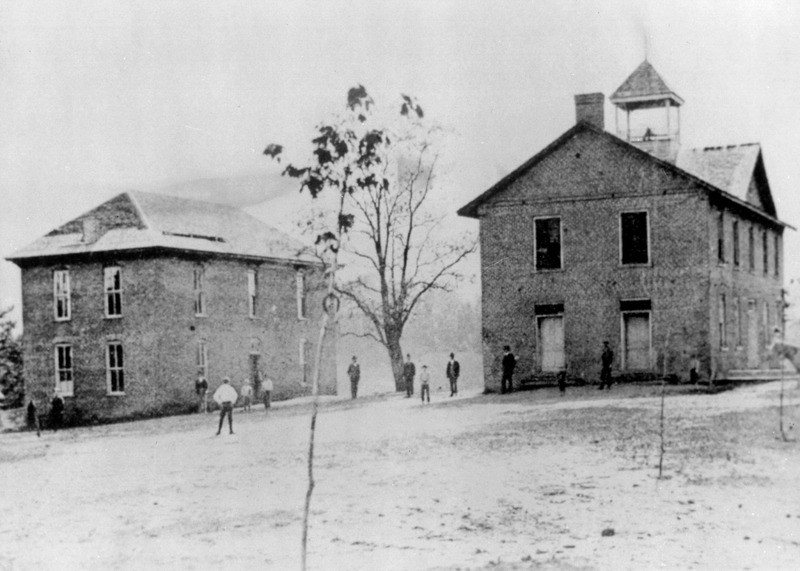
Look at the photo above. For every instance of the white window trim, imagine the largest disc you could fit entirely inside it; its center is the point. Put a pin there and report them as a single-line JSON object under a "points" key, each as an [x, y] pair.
{"points": [[202, 357], [252, 292], [67, 388], [66, 294], [619, 236], [536, 269], [300, 293], [199, 279], [107, 292], [109, 369], [623, 358]]}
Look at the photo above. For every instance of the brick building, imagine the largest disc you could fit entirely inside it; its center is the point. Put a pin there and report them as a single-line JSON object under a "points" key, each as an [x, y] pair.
{"points": [[669, 254], [123, 306]]}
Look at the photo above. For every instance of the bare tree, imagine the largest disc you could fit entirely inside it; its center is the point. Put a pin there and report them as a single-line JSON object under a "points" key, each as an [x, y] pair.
{"points": [[384, 166]]}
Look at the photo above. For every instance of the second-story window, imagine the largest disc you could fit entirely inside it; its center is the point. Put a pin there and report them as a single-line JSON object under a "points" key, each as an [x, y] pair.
{"points": [[721, 238], [300, 284], [62, 303], [735, 243], [112, 285], [634, 242], [547, 243], [765, 251], [252, 292], [777, 254], [199, 291], [751, 248]]}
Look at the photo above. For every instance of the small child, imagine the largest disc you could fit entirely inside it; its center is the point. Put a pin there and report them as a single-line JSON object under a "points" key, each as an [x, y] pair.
{"points": [[247, 394], [425, 379]]}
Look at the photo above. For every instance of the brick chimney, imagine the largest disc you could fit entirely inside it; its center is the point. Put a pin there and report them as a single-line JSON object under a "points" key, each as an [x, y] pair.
{"points": [[590, 108]]}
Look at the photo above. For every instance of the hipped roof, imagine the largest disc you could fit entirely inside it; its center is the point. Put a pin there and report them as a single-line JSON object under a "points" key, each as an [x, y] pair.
{"points": [[136, 220]]}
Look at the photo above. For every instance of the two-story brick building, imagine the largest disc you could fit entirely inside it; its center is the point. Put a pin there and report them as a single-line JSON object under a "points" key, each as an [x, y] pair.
{"points": [[124, 305], [669, 254]]}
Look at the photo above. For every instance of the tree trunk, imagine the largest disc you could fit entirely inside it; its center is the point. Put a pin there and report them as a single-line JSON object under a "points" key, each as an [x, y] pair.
{"points": [[396, 357]]}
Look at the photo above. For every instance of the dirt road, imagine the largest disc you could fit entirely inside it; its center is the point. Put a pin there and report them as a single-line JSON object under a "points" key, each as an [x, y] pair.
{"points": [[525, 481]]}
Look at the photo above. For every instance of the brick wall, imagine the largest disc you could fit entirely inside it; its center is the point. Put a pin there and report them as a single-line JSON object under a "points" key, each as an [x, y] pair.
{"points": [[160, 332], [588, 182]]}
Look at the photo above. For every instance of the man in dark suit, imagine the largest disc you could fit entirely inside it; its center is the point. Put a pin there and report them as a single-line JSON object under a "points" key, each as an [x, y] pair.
{"points": [[409, 371], [509, 363], [453, 371], [606, 360]]}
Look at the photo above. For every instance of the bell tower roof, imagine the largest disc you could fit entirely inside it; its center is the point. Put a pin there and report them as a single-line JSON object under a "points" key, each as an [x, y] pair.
{"points": [[644, 88]]}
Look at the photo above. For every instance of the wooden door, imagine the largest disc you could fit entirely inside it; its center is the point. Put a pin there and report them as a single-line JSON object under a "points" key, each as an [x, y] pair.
{"points": [[637, 340], [551, 341]]}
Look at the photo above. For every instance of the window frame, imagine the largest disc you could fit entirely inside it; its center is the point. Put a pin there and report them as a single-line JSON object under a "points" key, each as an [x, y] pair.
{"points": [[735, 234], [62, 291], [721, 238], [65, 388], [300, 294], [765, 252], [108, 294], [622, 261], [723, 322], [777, 255], [303, 346], [201, 356], [560, 267], [252, 292], [199, 279], [116, 370], [751, 238]]}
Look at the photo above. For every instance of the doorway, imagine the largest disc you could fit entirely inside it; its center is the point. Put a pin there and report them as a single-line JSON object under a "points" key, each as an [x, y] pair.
{"points": [[551, 343]]}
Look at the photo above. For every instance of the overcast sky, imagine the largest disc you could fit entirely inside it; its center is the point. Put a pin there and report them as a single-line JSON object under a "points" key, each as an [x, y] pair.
{"points": [[97, 97]]}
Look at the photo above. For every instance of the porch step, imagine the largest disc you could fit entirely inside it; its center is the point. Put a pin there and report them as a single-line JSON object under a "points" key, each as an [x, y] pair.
{"points": [[744, 375]]}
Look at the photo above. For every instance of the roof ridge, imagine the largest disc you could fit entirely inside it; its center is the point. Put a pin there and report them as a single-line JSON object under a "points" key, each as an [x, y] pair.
{"points": [[139, 210]]}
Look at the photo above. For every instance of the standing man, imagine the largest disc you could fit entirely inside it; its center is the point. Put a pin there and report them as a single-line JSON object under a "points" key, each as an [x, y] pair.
{"points": [[409, 370], [453, 370], [225, 396], [354, 372], [606, 359], [424, 381], [267, 387], [247, 394], [56, 411], [201, 388], [509, 363]]}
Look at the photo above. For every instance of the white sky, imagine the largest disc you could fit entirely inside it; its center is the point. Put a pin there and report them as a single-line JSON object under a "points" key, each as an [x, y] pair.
{"points": [[97, 97]]}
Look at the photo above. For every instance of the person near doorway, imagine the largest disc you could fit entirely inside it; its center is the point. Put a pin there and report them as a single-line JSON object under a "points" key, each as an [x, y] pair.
{"points": [[354, 372], [201, 388], [509, 363], [225, 396], [606, 360], [56, 411], [267, 388], [453, 372], [247, 395], [425, 383], [409, 371]]}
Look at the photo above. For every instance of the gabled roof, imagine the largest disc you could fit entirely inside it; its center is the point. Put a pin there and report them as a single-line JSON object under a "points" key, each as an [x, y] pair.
{"points": [[644, 84], [139, 220], [728, 174], [731, 168]]}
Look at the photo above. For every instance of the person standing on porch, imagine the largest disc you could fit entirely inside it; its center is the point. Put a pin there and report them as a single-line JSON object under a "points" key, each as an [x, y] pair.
{"points": [[453, 371]]}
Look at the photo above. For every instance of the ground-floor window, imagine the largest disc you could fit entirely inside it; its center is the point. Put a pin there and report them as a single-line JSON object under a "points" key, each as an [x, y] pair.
{"points": [[115, 372], [636, 340], [64, 371], [202, 359], [303, 354]]}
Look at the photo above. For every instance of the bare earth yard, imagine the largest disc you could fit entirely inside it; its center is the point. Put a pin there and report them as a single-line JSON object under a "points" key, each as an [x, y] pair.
{"points": [[524, 481]]}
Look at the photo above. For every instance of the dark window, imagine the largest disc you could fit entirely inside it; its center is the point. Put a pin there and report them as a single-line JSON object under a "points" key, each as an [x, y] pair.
{"points": [[777, 254], [548, 309], [635, 305], [114, 369], [735, 244], [751, 245], [548, 243], [634, 238], [765, 251], [721, 238]]}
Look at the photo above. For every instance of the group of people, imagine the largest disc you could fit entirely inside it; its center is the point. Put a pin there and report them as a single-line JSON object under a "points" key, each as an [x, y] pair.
{"points": [[226, 397]]}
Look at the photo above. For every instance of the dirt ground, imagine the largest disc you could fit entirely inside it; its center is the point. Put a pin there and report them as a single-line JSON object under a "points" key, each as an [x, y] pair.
{"points": [[530, 480]]}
